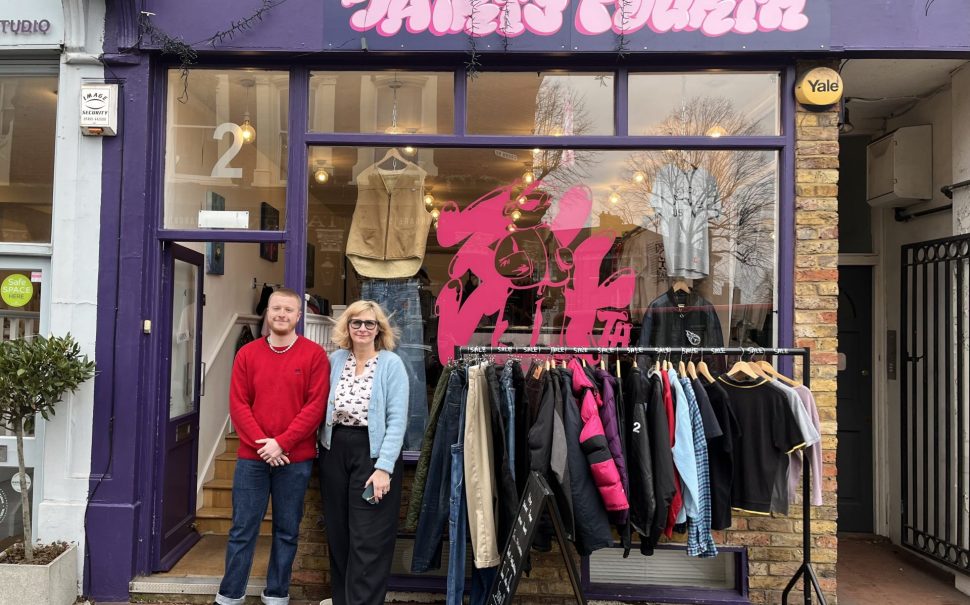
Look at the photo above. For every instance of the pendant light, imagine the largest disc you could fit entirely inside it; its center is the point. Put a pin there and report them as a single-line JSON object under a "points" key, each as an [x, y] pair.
{"points": [[246, 128], [394, 128]]}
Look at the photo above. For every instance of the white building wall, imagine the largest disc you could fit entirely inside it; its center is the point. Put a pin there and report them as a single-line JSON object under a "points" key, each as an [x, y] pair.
{"points": [[961, 148], [74, 276]]}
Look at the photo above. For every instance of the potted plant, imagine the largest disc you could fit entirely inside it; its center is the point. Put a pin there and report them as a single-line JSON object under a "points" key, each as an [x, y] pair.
{"points": [[35, 373]]}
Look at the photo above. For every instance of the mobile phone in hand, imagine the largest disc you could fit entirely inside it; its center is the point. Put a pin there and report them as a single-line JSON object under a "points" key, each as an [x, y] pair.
{"points": [[368, 494]]}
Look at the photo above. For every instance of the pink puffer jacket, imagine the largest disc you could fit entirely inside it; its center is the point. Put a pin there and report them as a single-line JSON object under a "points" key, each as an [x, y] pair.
{"points": [[592, 440]]}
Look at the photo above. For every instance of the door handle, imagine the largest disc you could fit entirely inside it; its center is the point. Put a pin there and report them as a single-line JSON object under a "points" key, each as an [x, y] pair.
{"points": [[864, 372], [202, 386]]}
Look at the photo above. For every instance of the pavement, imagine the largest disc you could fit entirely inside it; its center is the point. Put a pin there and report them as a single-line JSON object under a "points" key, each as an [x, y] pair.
{"points": [[873, 571]]}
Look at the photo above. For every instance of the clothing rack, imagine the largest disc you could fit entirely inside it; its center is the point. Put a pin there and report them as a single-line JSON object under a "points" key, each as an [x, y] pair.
{"points": [[805, 570]]}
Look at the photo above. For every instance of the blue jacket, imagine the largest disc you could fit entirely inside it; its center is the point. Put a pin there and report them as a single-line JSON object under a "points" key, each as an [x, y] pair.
{"points": [[387, 413]]}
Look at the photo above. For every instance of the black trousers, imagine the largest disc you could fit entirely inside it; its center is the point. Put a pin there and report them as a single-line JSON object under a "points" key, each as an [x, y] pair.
{"points": [[361, 535]]}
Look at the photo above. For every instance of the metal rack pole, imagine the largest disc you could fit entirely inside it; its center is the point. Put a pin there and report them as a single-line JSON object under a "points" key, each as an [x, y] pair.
{"points": [[810, 578]]}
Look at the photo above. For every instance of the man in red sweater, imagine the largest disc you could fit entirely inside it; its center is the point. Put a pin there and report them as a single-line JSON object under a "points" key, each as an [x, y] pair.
{"points": [[277, 398]]}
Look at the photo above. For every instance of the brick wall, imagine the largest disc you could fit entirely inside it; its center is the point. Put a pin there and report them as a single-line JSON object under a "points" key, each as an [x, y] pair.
{"points": [[774, 543]]}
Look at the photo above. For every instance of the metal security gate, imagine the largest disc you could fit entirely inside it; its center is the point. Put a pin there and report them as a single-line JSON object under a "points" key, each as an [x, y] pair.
{"points": [[935, 333]]}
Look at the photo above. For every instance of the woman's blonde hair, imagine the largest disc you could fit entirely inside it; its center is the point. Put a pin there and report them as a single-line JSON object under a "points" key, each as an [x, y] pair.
{"points": [[387, 335]]}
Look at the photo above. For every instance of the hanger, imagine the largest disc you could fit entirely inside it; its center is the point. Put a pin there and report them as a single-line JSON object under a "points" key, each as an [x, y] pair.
{"points": [[680, 285], [603, 362], [392, 154], [618, 366], [691, 368], [681, 368], [744, 368], [704, 371], [771, 371]]}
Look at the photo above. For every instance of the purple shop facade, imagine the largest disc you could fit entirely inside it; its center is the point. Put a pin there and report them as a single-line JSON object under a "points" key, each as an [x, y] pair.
{"points": [[298, 36]]}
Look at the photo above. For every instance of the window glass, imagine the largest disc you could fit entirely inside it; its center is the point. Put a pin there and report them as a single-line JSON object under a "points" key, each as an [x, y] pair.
{"points": [[704, 104], [565, 248], [226, 149], [28, 111], [543, 103], [392, 102]]}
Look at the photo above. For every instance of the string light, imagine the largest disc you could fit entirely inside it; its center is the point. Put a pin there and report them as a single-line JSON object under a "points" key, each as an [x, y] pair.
{"points": [[516, 215], [511, 227], [614, 198], [435, 213], [639, 177], [528, 177], [522, 200], [428, 200]]}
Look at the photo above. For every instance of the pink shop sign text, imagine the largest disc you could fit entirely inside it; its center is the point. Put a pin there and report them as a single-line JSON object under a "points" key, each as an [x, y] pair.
{"points": [[511, 18]]}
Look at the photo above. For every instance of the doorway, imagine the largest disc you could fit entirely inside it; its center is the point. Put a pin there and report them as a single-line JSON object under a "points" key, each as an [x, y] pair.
{"points": [[178, 449], [854, 394]]}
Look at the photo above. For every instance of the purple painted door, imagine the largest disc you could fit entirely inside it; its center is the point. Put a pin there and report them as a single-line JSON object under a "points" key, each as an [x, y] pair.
{"points": [[181, 342]]}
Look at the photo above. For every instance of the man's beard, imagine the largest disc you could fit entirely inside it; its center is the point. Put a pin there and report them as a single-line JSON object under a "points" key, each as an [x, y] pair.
{"points": [[290, 328]]}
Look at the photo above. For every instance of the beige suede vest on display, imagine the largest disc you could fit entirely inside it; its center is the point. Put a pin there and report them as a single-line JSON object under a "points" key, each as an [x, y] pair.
{"points": [[389, 231]]}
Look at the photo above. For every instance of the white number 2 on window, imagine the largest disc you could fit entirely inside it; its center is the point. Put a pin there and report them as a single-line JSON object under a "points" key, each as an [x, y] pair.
{"points": [[636, 427], [222, 169]]}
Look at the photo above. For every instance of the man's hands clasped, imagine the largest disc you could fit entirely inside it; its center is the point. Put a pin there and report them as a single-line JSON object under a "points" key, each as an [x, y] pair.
{"points": [[271, 452]]}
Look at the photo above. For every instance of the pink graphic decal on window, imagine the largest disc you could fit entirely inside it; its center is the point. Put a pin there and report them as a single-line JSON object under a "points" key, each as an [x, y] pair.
{"points": [[547, 262], [511, 18]]}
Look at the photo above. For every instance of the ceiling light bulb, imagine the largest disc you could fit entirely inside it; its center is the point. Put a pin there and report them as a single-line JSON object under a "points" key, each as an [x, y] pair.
{"points": [[321, 175], [435, 213], [409, 150], [639, 177], [522, 200], [516, 215], [511, 227], [247, 130], [528, 177], [428, 200], [614, 198], [536, 151]]}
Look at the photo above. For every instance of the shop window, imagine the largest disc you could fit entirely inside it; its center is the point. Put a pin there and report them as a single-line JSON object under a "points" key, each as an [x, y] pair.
{"points": [[541, 103], [553, 247], [704, 104], [391, 102], [28, 111], [226, 149]]}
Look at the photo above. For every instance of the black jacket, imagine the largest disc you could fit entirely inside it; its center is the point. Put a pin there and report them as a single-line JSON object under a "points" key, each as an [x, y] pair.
{"points": [[680, 319], [591, 521], [643, 503], [663, 461]]}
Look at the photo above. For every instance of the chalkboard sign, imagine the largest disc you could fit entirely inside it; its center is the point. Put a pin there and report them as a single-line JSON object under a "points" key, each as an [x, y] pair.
{"points": [[536, 499]]}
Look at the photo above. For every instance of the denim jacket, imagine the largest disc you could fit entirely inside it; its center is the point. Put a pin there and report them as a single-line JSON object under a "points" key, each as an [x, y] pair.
{"points": [[387, 414]]}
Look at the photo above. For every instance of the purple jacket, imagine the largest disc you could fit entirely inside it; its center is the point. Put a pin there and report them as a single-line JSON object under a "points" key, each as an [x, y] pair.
{"points": [[611, 428]]}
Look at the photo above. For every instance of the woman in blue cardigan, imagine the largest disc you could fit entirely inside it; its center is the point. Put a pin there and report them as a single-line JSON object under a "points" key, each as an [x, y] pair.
{"points": [[360, 461]]}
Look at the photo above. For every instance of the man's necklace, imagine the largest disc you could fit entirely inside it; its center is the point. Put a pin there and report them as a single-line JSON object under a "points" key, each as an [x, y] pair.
{"points": [[283, 350]]}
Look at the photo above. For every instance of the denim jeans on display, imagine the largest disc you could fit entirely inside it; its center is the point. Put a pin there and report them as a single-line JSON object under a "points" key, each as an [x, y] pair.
{"points": [[254, 482], [401, 300], [508, 413], [457, 518], [438, 490]]}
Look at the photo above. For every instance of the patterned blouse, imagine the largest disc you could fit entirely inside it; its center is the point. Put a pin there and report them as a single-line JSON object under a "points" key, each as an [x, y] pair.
{"points": [[352, 396]]}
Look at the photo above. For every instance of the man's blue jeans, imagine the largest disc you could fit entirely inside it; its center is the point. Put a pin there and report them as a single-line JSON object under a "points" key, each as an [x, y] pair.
{"points": [[253, 484], [435, 505], [401, 299]]}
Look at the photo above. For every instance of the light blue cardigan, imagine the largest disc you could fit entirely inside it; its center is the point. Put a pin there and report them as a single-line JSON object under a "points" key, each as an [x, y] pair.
{"points": [[387, 414]]}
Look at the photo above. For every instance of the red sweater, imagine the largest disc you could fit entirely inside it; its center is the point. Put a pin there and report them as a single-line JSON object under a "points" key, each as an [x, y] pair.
{"points": [[279, 396], [678, 502]]}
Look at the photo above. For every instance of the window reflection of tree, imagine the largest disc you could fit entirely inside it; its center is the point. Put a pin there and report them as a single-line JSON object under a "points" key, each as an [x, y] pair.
{"points": [[733, 190]]}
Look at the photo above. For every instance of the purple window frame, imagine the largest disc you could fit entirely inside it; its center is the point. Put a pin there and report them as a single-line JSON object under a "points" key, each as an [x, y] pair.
{"points": [[294, 235]]}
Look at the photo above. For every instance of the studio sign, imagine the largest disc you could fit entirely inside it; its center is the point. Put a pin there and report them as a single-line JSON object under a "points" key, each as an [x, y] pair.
{"points": [[20, 27]]}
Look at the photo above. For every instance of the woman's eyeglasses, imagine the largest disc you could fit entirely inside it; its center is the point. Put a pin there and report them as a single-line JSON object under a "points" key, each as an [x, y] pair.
{"points": [[357, 324]]}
